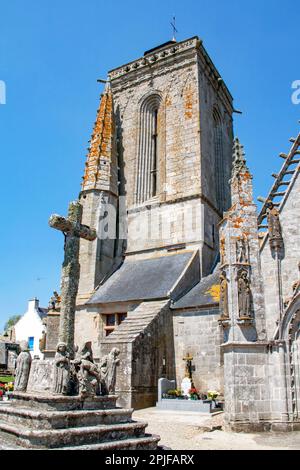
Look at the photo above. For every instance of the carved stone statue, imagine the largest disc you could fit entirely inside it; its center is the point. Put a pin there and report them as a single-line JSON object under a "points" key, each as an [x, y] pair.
{"points": [[224, 296], [222, 251], [244, 295], [61, 370], [42, 341], [23, 368], [241, 251], [88, 373], [274, 226], [108, 368], [54, 301]]}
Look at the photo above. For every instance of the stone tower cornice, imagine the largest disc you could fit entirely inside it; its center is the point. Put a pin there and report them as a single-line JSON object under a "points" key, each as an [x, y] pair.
{"points": [[162, 55]]}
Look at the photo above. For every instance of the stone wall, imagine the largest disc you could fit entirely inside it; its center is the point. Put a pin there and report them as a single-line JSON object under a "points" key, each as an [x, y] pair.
{"points": [[290, 223], [96, 258], [198, 333], [88, 327], [53, 319], [246, 384], [144, 358], [214, 101], [257, 387]]}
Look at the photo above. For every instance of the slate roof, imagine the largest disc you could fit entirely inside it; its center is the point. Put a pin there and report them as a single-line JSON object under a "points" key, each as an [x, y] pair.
{"points": [[206, 292], [42, 312], [146, 279]]}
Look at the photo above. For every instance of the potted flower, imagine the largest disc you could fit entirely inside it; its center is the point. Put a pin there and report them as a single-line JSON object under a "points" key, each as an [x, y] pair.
{"points": [[194, 395], [172, 394], [9, 387], [2, 391], [213, 395], [179, 394]]}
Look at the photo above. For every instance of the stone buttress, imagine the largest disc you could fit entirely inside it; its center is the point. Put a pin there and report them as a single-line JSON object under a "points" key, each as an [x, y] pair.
{"points": [[242, 302]]}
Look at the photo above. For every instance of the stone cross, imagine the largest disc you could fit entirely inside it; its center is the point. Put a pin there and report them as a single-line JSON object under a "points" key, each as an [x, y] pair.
{"points": [[73, 230]]}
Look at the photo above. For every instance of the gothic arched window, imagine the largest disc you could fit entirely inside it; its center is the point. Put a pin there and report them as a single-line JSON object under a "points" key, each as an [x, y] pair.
{"points": [[219, 160], [148, 156]]}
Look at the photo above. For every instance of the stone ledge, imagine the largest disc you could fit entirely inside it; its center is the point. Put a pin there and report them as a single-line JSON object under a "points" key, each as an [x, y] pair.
{"points": [[262, 426], [63, 403], [239, 344], [147, 442], [73, 436], [42, 419]]}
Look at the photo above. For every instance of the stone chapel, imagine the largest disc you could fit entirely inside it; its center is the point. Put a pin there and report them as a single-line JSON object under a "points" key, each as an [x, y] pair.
{"points": [[182, 262]]}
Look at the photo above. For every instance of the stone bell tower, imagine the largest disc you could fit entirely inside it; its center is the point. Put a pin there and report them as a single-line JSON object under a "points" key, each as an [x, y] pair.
{"points": [[174, 128], [159, 163]]}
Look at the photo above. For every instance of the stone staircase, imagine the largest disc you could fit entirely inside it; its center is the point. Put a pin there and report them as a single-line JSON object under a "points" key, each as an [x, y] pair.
{"points": [[70, 423], [137, 321]]}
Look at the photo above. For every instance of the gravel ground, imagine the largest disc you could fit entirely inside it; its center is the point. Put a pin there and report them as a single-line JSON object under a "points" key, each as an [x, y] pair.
{"points": [[191, 431]]}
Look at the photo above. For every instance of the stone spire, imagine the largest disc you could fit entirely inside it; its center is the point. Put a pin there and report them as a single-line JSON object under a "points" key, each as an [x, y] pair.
{"points": [[99, 199], [241, 180], [101, 168]]}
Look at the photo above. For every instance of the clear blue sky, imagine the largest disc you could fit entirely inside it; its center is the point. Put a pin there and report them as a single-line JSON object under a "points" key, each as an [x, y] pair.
{"points": [[52, 52]]}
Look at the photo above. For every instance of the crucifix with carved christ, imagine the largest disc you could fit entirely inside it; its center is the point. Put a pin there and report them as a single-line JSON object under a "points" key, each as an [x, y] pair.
{"points": [[73, 230], [189, 368]]}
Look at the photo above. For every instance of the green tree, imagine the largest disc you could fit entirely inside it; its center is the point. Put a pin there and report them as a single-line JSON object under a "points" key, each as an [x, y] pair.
{"points": [[11, 322]]}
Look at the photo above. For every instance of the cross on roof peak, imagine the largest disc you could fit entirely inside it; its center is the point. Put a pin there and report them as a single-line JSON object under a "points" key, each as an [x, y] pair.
{"points": [[173, 24]]}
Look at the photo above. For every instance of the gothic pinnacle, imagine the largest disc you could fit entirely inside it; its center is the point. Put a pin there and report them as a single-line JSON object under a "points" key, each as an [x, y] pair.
{"points": [[239, 161]]}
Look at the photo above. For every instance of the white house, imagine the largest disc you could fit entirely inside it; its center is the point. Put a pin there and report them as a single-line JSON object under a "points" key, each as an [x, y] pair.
{"points": [[30, 327]]}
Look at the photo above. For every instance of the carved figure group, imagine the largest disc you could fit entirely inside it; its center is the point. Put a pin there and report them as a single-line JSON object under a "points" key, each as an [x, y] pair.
{"points": [[81, 375], [87, 372]]}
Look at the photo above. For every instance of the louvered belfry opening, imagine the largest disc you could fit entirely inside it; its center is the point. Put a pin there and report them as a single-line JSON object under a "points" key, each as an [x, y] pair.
{"points": [[219, 161], [147, 174]]}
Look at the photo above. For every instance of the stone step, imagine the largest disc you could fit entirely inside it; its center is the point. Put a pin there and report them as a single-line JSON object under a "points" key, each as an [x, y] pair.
{"points": [[63, 419], [49, 439], [133, 327], [147, 442], [40, 401], [140, 318], [130, 324]]}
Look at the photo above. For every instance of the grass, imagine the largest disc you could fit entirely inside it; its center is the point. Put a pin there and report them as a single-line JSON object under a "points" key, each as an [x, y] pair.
{"points": [[6, 378]]}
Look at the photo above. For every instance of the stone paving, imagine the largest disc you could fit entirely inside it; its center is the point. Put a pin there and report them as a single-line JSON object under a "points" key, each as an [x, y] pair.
{"points": [[184, 431]]}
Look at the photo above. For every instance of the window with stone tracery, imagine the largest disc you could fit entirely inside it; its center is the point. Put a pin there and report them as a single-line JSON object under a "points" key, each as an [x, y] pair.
{"points": [[148, 156]]}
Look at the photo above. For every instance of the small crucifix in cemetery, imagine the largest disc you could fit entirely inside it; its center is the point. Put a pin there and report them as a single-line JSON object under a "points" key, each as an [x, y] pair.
{"points": [[189, 368], [73, 230]]}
